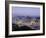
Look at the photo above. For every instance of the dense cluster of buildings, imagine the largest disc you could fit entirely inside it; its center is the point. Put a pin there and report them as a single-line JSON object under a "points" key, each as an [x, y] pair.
{"points": [[31, 22]]}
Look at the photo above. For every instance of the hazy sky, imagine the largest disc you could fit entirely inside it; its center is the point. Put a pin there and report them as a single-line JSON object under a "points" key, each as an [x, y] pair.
{"points": [[25, 11]]}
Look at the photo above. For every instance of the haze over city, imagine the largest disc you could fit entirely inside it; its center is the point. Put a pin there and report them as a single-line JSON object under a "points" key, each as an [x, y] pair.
{"points": [[25, 18], [25, 11]]}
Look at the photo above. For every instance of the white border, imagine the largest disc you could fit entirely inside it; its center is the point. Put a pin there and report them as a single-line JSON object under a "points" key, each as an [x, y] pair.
{"points": [[25, 32]]}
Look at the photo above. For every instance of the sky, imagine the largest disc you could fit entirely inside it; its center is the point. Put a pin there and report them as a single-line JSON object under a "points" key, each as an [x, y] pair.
{"points": [[25, 11]]}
